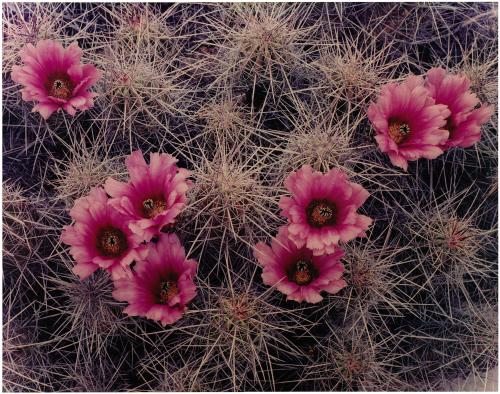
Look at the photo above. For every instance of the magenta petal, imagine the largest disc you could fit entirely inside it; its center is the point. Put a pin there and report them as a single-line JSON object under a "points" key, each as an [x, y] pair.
{"points": [[46, 62], [409, 102], [161, 180], [453, 91], [279, 268], [165, 260], [315, 187], [93, 216]]}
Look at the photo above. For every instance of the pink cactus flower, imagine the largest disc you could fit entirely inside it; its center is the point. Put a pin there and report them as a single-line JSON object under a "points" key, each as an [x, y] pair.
{"points": [[408, 124], [322, 209], [101, 238], [163, 283], [296, 272], [155, 194], [464, 122], [54, 78]]}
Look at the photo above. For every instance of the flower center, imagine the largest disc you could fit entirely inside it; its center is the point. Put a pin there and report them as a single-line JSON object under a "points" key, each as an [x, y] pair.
{"points": [[399, 131], [60, 86], [303, 272], [321, 213], [168, 289], [111, 242], [153, 206]]}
